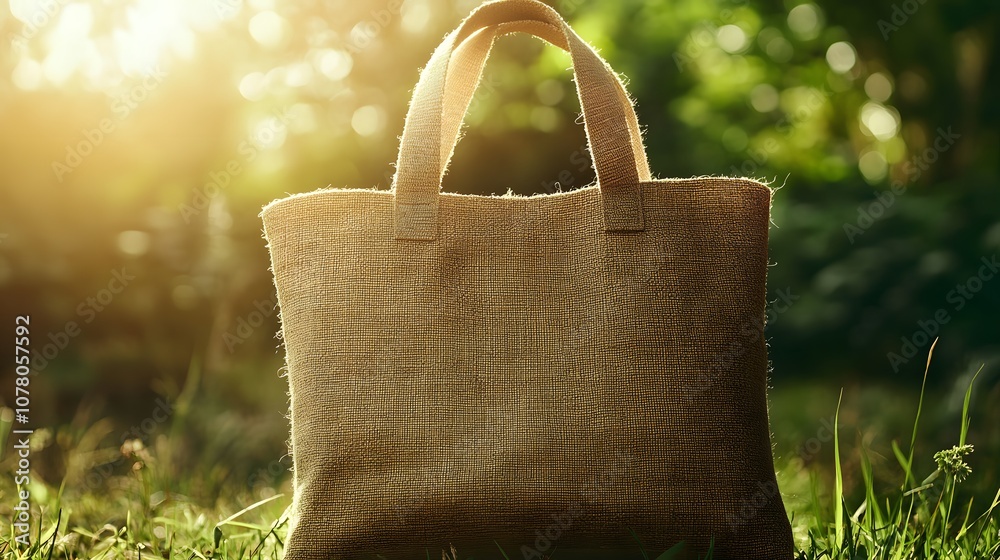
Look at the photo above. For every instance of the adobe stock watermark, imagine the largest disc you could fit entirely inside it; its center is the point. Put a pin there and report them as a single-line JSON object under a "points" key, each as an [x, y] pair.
{"points": [[365, 32], [227, 9], [901, 13], [751, 331], [262, 481], [765, 492], [220, 179], [547, 537], [914, 169], [750, 506], [812, 446], [486, 89], [958, 297], [245, 326], [21, 517], [92, 138], [44, 12], [87, 311], [567, 178]]}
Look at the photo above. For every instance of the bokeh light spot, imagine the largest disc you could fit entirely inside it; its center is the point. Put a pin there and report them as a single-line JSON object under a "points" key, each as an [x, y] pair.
{"points": [[133, 243], [806, 21], [302, 118], [732, 39], [879, 121], [75, 21], [894, 149], [334, 64], [252, 86], [368, 120], [735, 139], [184, 296], [764, 98], [545, 118], [27, 75], [270, 134], [878, 87], [298, 74], [416, 15], [153, 26], [841, 57], [873, 166], [779, 49], [267, 28], [550, 92]]}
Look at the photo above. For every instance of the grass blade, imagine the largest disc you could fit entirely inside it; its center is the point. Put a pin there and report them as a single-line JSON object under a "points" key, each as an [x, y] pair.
{"points": [[986, 519], [838, 492], [249, 508], [916, 420], [672, 551], [902, 460], [642, 549], [965, 407]]}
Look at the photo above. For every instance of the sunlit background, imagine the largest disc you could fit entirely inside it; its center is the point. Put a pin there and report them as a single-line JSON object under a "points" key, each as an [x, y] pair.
{"points": [[140, 138]]}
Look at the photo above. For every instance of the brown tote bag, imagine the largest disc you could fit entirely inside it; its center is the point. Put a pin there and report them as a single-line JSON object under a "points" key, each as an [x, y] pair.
{"points": [[575, 371]]}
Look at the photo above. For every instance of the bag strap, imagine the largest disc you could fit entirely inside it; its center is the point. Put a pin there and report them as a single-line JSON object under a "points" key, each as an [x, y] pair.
{"points": [[465, 72], [426, 145]]}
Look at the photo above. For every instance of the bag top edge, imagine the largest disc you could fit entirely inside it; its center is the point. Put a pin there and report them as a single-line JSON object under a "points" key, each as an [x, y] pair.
{"points": [[744, 182]]}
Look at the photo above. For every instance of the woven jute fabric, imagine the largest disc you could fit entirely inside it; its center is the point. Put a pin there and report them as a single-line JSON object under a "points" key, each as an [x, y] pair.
{"points": [[555, 371]]}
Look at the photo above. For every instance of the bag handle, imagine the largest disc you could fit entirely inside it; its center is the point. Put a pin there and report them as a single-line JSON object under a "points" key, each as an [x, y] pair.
{"points": [[426, 145], [465, 72]]}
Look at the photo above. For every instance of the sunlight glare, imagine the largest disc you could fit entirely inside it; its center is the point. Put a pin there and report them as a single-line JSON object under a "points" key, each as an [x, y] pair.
{"points": [[302, 118], [75, 22], [416, 15], [299, 74], [267, 28], [334, 64], [68, 45], [29, 12], [151, 29], [27, 75], [269, 134], [252, 86], [212, 12], [58, 66], [153, 26]]}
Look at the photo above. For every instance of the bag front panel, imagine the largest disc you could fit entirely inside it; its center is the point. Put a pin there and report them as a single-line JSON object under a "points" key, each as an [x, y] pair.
{"points": [[527, 366]]}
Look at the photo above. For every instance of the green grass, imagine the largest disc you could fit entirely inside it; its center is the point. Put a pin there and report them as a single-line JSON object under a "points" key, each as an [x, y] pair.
{"points": [[146, 511]]}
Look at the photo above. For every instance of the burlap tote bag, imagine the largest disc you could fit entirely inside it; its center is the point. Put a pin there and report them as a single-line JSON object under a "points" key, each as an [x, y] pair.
{"points": [[554, 371]]}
